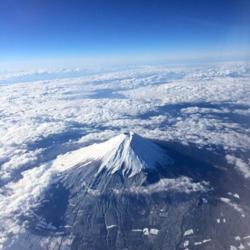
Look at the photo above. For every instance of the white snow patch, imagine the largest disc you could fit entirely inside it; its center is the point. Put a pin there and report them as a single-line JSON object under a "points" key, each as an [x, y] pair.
{"points": [[154, 231], [145, 231], [241, 246], [186, 243], [207, 240], [188, 232], [111, 226], [148, 231], [201, 242], [233, 247], [237, 237], [236, 196]]}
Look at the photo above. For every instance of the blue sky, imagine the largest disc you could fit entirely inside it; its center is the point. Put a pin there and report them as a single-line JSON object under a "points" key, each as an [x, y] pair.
{"points": [[123, 30]]}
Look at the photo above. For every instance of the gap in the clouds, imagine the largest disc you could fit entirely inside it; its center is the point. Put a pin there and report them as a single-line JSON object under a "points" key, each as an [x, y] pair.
{"points": [[57, 139], [73, 132], [106, 94]]}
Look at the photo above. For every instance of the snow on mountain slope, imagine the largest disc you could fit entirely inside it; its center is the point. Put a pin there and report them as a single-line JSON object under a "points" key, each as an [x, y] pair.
{"points": [[128, 152], [136, 153]]}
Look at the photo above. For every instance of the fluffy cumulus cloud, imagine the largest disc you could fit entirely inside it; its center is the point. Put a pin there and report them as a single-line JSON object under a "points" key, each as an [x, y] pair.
{"points": [[181, 184], [206, 106]]}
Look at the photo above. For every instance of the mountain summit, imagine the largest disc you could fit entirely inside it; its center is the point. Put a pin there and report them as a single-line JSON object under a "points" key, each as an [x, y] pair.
{"points": [[132, 154], [127, 153]]}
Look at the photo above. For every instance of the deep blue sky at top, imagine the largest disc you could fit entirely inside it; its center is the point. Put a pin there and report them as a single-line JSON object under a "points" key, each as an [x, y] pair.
{"points": [[92, 28]]}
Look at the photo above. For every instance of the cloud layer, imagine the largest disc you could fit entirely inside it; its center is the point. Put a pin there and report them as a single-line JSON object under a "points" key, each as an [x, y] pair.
{"points": [[41, 120]]}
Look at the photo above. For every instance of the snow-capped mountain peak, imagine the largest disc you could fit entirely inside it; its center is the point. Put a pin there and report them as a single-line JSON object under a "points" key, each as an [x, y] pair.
{"points": [[132, 153], [127, 152]]}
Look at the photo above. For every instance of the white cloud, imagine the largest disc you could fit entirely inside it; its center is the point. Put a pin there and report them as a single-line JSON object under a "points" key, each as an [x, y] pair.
{"points": [[242, 166], [181, 184]]}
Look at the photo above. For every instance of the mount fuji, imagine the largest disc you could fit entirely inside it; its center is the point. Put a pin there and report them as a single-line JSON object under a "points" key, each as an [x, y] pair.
{"points": [[130, 192], [125, 159]]}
